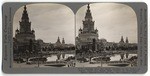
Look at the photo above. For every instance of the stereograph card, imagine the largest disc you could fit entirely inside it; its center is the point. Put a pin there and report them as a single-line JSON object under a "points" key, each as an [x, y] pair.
{"points": [[74, 37]]}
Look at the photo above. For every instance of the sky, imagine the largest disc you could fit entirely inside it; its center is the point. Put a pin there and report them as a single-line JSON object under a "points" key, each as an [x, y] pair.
{"points": [[49, 21], [112, 20]]}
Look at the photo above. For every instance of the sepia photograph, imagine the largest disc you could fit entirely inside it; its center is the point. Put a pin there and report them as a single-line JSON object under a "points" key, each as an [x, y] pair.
{"points": [[98, 35], [106, 36], [74, 37], [43, 36]]}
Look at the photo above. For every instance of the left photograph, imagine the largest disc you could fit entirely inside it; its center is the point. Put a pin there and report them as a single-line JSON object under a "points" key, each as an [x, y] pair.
{"points": [[43, 36]]}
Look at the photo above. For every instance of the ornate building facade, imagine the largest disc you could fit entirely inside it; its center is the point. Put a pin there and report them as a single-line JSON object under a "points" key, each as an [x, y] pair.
{"points": [[24, 34], [87, 35], [24, 40]]}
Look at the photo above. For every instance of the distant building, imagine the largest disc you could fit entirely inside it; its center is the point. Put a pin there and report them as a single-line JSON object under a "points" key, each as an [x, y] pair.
{"points": [[122, 40], [62, 45], [45, 46], [58, 43], [57, 46], [126, 45]]}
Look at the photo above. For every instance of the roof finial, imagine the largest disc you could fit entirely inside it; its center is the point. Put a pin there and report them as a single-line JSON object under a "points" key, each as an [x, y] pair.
{"points": [[88, 6], [127, 40], [63, 41], [122, 40], [25, 7]]}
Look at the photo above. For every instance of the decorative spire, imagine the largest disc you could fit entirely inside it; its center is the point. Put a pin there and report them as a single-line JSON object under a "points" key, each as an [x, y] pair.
{"points": [[58, 40], [25, 25], [122, 40], [25, 7], [127, 40], [25, 14], [63, 41], [17, 30], [88, 23], [33, 30], [80, 29], [88, 15], [96, 30], [88, 6]]}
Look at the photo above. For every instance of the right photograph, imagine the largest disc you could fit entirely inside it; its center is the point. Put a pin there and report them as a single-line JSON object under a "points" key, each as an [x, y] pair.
{"points": [[106, 36]]}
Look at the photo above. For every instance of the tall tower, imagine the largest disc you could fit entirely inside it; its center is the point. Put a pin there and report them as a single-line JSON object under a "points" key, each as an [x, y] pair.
{"points": [[127, 40], [88, 24], [88, 36], [122, 40], [58, 41], [25, 25], [25, 34], [63, 41], [88, 33]]}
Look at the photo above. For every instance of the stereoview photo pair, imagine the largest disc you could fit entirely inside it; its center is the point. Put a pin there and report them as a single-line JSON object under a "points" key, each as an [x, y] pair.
{"points": [[74, 37]]}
